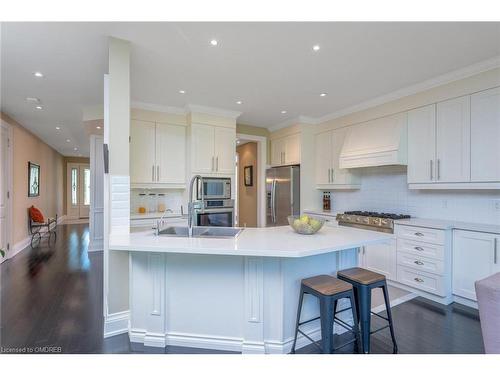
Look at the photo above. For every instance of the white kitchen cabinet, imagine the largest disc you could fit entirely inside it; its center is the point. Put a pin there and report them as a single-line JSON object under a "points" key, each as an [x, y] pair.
{"points": [[485, 136], [170, 154], [142, 152], [475, 256], [380, 258], [157, 153], [285, 150], [212, 149], [328, 173], [453, 140], [225, 148], [421, 144]]}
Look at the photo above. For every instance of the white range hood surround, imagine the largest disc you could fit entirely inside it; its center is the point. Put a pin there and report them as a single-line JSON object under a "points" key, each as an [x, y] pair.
{"points": [[375, 143]]}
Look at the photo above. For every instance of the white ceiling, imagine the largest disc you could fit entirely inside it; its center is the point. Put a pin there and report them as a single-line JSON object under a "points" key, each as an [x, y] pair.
{"points": [[269, 66]]}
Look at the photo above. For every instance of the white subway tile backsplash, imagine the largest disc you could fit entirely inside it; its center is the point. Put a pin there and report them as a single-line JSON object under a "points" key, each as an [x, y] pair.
{"points": [[385, 189]]}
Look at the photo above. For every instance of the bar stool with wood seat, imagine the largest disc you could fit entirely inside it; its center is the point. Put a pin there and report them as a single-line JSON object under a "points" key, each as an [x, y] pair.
{"points": [[329, 290], [364, 281]]}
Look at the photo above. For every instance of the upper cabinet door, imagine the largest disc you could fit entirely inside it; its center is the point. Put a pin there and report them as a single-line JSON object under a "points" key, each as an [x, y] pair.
{"points": [[277, 151], [485, 136], [142, 152], [170, 154], [225, 148], [323, 150], [422, 144], [202, 149], [343, 176], [292, 149], [453, 140]]}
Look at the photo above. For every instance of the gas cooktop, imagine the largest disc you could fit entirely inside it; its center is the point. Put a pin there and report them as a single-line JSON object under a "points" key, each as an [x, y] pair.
{"points": [[379, 221]]}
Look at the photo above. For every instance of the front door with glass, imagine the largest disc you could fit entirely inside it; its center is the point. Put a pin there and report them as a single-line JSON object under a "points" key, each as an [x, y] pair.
{"points": [[78, 177]]}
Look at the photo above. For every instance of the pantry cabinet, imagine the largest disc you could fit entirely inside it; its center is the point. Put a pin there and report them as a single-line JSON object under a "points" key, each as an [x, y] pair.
{"points": [[285, 150], [328, 146], [157, 153], [212, 149], [485, 136], [475, 256]]}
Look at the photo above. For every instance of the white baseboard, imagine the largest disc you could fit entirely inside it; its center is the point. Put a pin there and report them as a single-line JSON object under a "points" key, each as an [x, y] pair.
{"points": [[116, 323], [61, 219], [18, 247], [465, 301], [443, 300]]}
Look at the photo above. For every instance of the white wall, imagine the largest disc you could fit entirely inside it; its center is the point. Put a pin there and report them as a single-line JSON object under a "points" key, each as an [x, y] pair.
{"points": [[385, 189]]}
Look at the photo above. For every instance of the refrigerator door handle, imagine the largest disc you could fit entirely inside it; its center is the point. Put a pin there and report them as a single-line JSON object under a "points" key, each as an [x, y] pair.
{"points": [[273, 201]]}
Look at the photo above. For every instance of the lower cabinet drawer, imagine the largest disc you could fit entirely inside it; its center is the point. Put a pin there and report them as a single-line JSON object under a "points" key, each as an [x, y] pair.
{"points": [[421, 263], [423, 249], [429, 235], [422, 280]]}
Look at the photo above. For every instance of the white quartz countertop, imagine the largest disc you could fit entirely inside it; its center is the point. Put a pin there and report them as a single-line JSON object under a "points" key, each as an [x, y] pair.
{"points": [[266, 242], [449, 224], [154, 215]]}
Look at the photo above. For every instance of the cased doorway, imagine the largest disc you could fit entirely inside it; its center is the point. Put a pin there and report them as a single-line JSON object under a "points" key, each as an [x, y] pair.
{"points": [[5, 188]]}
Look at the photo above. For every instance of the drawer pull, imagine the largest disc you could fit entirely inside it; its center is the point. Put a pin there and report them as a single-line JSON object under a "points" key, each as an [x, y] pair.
{"points": [[417, 262], [419, 248], [418, 280], [419, 234]]}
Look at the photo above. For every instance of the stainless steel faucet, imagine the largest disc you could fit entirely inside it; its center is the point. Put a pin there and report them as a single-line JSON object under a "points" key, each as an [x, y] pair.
{"points": [[160, 222], [192, 206]]}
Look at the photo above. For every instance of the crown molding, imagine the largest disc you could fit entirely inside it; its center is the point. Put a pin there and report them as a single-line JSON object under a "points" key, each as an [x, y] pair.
{"points": [[294, 121], [158, 108], [195, 108], [443, 79], [455, 75]]}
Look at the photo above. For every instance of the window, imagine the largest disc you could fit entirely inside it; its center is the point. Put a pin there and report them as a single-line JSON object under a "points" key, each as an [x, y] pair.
{"points": [[86, 186], [74, 186]]}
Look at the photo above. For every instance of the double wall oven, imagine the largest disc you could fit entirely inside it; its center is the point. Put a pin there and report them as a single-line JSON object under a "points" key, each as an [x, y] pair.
{"points": [[215, 206]]}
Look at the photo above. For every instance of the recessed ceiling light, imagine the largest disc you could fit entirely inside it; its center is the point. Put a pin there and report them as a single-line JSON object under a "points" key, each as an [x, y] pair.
{"points": [[182, 92], [239, 102], [32, 100], [214, 42], [68, 140], [58, 128], [38, 74], [283, 112], [322, 94], [39, 107], [75, 149], [316, 48], [98, 127]]}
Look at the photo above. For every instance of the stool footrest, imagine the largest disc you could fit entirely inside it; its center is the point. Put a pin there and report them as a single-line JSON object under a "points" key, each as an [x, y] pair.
{"points": [[309, 321], [380, 316], [344, 324], [310, 339], [379, 329]]}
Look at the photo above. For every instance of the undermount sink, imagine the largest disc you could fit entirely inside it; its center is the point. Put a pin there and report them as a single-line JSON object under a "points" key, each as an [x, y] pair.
{"points": [[214, 232]]}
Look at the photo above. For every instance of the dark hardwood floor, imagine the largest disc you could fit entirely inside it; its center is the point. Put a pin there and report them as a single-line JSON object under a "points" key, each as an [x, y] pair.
{"points": [[51, 299]]}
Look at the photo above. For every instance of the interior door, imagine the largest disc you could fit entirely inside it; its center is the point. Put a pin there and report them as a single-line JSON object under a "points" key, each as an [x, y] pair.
{"points": [[202, 149], [170, 154], [225, 141], [78, 176], [422, 144], [453, 140], [4, 160], [323, 158], [142, 152]]}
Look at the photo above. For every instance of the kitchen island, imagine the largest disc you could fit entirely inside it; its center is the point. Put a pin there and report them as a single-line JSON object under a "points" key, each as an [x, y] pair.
{"points": [[237, 294]]}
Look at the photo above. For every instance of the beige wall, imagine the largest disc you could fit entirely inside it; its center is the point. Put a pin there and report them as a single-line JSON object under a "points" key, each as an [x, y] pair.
{"points": [[247, 195], [66, 160], [258, 131], [27, 147]]}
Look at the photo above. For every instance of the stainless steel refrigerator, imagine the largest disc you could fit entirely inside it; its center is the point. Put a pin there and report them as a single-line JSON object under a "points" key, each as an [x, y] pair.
{"points": [[283, 194]]}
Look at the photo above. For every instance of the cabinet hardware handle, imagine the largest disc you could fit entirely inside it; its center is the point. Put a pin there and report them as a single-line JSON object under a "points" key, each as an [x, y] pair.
{"points": [[158, 172], [430, 169], [438, 170], [212, 163], [419, 263], [364, 249], [217, 163], [419, 248], [496, 248], [418, 280], [419, 234], [333, 175], [329, 175], [153, 173]]}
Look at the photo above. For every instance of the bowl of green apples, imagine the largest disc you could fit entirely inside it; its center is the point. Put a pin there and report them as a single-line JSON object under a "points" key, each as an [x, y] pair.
{"points": [[304, 224]]}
